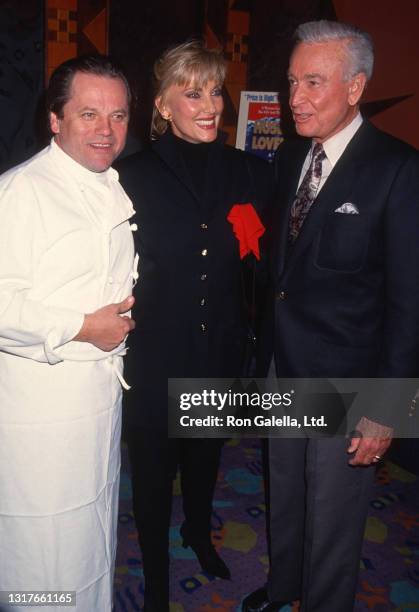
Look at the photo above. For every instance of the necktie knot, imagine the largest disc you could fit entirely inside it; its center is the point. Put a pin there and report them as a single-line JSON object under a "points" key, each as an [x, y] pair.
{"points": [[318, 152]]}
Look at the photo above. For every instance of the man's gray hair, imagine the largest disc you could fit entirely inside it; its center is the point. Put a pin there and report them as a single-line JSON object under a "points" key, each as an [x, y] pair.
{"points": [[359, 44]]}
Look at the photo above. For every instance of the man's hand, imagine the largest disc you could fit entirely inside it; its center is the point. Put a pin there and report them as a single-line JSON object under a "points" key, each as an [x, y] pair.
{"points": [[371, 444], [106, 328]]}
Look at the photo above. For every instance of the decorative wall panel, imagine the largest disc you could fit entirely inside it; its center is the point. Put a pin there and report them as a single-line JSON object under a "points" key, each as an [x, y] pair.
{"points": [[231, 32], [74, 27]]}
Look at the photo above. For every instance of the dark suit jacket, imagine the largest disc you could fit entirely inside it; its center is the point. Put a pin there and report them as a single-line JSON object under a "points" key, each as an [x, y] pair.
{"points": [[189, 311], [345, 299]]}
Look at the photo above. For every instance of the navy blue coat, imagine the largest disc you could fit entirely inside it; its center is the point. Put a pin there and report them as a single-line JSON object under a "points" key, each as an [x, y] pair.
{"points": [[189, 312], [345, 301]]}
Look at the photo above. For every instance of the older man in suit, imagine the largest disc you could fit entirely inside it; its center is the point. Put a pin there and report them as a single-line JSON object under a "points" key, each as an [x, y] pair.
{"points": [[345, 303]]}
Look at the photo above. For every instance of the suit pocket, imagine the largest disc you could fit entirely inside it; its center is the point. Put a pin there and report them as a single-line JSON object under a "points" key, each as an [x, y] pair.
{"points": [[342, 243], [345, 360]]}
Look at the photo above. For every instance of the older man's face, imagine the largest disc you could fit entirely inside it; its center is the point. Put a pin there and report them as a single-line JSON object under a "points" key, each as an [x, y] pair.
{"points": [[94, 125], [322, 102]]}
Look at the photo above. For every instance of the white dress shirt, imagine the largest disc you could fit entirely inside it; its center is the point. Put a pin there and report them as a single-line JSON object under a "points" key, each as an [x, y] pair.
{"points": [[333, 148]]}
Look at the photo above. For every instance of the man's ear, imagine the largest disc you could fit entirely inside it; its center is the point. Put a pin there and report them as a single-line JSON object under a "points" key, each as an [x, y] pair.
{"points": [[356, 88], [54, 123]]}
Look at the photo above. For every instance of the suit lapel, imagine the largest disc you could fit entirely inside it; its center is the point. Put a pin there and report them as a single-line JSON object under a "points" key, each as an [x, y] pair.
{"points": [[286, 195], [334, 192]]}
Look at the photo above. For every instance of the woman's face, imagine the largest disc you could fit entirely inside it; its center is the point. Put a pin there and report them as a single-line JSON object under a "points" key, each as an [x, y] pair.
{"points": [[194, 112]]}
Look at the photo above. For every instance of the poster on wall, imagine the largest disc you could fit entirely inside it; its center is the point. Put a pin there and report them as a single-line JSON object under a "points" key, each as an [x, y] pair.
{"points": [[259, 126]]}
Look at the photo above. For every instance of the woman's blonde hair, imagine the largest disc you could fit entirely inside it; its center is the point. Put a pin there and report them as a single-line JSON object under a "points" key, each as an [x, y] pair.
{"points": [[187, 63]]}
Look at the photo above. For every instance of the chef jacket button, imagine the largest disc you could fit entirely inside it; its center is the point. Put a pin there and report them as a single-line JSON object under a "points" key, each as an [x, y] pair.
{"points": [[135, 275], [204, 252], [110, 280], [202, 302], [204, 226], [203, 277], [133, 227], [203, 327]]}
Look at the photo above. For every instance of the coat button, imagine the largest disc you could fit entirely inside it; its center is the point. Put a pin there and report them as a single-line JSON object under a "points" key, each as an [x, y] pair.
{"points": [[202, 302], [203, 277], [204, 252], [203, 327], [281, 295], [204, 226]]}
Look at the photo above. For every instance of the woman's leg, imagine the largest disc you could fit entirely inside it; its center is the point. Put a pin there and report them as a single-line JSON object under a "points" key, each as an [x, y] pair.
{"points": [[153, 463]]}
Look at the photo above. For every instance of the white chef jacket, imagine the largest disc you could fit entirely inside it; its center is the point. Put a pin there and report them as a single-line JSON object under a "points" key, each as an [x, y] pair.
{"points": [[66, 248]]}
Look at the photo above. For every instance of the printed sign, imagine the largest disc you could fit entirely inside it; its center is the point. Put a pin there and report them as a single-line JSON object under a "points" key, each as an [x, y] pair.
{"points": [[259, 126]]}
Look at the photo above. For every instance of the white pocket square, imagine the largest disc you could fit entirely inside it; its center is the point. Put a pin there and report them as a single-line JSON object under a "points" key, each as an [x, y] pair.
{"points": [[348, 209]]}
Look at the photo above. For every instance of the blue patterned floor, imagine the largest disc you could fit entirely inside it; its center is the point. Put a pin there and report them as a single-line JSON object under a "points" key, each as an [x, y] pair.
{"points": [[389, 576]]}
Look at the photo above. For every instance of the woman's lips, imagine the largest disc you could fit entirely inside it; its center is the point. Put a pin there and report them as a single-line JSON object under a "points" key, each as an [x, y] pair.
{"points": [[206, 124]]}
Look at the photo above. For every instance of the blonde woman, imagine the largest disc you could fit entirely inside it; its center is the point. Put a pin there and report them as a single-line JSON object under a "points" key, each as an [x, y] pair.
{"points": [[189, 300]]}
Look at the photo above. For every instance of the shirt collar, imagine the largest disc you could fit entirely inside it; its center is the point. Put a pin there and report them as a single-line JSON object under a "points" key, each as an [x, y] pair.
{"points": [[335, 146], [80, 172]]}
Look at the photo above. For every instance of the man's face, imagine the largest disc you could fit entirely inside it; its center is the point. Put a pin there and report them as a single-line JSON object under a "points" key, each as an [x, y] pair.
{"points": [[94, 125], [321, 100]]}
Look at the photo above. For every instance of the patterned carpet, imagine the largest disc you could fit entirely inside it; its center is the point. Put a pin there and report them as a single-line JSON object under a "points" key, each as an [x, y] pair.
{"points": [[389, 576]]}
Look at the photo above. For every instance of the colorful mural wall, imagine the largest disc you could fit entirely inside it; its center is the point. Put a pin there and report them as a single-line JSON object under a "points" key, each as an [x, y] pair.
{"points": [[37, 35], [232, 34], [74, 27]]}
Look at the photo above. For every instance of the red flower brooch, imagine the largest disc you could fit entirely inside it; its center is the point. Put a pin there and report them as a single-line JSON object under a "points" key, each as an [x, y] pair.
{"points": [[247, 227]]}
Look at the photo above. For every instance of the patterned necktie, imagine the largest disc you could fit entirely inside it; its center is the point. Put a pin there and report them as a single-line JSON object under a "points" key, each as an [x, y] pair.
{"points": [[306, 193]]}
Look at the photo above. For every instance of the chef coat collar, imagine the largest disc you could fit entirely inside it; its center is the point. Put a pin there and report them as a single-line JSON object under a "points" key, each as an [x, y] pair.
{"points": [[80, 172]]}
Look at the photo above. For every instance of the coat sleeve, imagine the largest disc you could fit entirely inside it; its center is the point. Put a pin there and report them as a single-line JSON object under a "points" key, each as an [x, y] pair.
{"points": [[28, 327], [398, 369], [400, 357]]}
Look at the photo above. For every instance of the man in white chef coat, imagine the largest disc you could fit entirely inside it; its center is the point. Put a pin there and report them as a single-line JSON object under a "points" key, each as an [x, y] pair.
{"points": [[66, 275]]}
